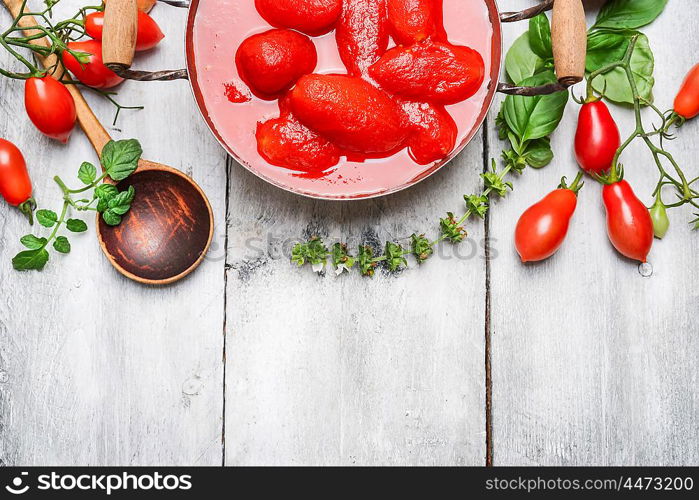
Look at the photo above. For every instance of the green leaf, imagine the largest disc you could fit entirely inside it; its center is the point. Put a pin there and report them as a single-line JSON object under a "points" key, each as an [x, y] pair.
{"points": [[521, 62], [30, 260], [76, 226], [540, 36], [32, 242], [61, 244], [87, 173], [629, 14], [365, 258], [341, 259], [111, 218], [535, 117], [605, 47], [46, 218], [615, 85], [451, 230], [477, 204], [539, 153], [106, 191], [120, 158], [121, 203], [421, 247], [395, 256]]}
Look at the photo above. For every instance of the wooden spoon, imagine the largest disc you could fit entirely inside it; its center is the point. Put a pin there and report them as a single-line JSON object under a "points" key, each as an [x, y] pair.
{"points": [[169, 228]]}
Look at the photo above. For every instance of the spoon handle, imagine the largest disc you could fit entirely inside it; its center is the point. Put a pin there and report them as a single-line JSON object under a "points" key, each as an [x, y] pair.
{"points": [[92, 127]]}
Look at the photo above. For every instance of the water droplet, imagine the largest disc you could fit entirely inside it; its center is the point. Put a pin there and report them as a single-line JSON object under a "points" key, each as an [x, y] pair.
{"points": [[645, 269]]}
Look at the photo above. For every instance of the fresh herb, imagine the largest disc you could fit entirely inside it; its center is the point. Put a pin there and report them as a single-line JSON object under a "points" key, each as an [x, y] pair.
{"points": [[119, 160]]}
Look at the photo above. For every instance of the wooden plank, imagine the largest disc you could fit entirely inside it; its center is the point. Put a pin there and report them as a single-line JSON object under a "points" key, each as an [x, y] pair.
{"points": [[593, 364], [350, 370], [95, 369]]}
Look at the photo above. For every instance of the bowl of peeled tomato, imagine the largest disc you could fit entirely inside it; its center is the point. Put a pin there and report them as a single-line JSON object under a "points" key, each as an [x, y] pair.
{"points": [[347, 99]]}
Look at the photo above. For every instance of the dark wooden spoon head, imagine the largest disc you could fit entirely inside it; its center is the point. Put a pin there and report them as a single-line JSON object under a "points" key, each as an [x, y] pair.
{"points": [[167, 232]]}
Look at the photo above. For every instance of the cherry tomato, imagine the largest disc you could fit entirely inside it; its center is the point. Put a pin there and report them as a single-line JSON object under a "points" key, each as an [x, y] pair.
{"points": [[661, 222], [15, 184], [93, 73], [597, 138], [629, 224], [543, 227], [687, 100], [50, 107], [148, 35]]}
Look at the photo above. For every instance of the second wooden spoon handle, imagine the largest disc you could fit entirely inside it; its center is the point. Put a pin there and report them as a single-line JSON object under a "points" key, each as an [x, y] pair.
{"points": [[92, 127], [119, 35], [569, 38]]}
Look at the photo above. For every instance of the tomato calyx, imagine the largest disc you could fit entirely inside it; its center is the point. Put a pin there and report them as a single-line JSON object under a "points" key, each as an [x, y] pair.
{"points": [[27, 208], [615, 174], [575, 187]]}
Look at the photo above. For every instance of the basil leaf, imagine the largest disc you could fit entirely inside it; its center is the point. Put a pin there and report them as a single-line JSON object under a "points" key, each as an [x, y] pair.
{"points": [[61, 244], [121, 203], [605, 47], [32, 242], [30, 260], [87, 173], [629, 14], [535, 117], [111, 218], [539, 153], [540, 36], [120, 158], [76, 226], [615, 85], [106, 191], [46, 218], [521, 62]]}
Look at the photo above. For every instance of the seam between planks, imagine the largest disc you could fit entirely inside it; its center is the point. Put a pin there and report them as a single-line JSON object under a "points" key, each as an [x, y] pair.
{"points": [[226, 269], [487, 326]]}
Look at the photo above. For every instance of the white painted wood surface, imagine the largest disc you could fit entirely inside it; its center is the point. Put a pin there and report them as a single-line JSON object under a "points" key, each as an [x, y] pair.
{"points": [[591, 363]]}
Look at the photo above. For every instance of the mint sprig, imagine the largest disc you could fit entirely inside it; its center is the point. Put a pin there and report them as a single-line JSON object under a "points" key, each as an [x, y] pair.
{"points": [[119, 160]]}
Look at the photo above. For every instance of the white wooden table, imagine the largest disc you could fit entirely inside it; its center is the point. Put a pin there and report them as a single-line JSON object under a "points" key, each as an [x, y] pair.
{"points": [[578, 360]]}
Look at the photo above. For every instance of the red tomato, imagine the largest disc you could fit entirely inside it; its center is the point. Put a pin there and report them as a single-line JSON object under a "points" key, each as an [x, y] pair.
{"points": [[543, 227], [597, 138], [94, 73], [15, 184], [148, 36], [50, 107], [629, 223], [687, 100]]}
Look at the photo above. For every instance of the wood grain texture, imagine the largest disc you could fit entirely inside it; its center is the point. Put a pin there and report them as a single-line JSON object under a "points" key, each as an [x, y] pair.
{"points": [[95, 369], [593, 364], [349, 370]]}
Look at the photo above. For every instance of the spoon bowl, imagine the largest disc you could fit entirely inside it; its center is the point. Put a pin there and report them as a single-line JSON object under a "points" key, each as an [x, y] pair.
{"points": [[167, 232]]}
